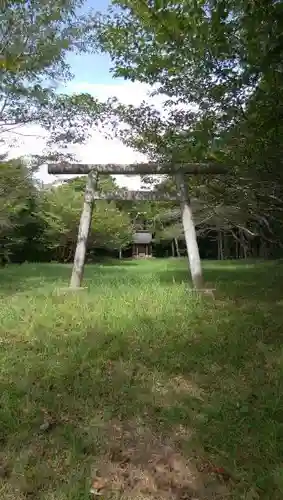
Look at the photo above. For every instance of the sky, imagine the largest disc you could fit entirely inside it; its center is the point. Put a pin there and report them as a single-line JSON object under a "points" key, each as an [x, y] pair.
{"points": [[92, 74]]}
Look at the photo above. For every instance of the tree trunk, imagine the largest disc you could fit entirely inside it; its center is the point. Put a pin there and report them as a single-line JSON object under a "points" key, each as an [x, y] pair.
{"points": [[263, 252], [237, 248], [220, 245], [243, 245], [190, 234], [226, 245], [177, 247], [70, 252], [120, 253], [85, 222], [173, 248]]}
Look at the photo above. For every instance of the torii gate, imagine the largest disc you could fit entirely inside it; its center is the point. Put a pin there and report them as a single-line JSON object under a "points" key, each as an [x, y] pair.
{"points": [[176, 170]]}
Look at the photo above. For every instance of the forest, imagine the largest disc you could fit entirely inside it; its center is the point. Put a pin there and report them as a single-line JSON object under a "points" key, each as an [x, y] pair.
{"points": [[40, 223]]}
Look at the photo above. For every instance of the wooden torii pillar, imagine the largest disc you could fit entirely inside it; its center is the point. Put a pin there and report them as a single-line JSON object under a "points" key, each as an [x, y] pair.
{"points": [[176, 170]]}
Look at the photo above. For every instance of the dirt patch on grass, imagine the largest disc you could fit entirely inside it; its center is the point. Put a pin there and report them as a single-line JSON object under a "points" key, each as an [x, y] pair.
{"points": [[185, 386], [157, 387], [139, 465]]}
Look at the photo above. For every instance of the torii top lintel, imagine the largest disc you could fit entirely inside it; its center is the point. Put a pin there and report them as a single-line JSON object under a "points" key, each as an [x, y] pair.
{"points": [[136, 168]]}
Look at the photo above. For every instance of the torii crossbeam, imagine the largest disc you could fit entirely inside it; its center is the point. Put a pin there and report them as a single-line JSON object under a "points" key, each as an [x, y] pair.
{"points": [[177, 170], [135, 168]]}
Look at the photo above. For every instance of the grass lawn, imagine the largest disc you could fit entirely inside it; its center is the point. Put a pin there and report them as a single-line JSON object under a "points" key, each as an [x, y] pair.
{"points": [[138, 388]]}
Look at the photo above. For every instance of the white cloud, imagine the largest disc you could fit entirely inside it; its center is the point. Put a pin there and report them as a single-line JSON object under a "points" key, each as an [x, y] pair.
{"points": [[126, 92], [101, 150], [25, 139], [97, 149]]}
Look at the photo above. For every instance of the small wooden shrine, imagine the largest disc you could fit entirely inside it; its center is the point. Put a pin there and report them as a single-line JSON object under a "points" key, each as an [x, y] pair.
{"points": [[142, 245]]}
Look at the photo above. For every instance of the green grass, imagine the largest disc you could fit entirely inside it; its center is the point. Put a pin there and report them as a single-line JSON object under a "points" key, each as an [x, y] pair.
{"points": [[139, 364]]}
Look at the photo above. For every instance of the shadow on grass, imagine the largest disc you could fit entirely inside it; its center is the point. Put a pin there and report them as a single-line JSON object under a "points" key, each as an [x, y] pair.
{"points": [[215, 398], [27, 277], [153, 412], [232, 278], [235, 280], [118, 263], [111, 414], [31, 277]]}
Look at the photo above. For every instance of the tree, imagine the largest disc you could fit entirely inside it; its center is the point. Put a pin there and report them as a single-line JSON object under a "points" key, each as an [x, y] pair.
{"points": [[18, 199], [61, 208], [221, 62], [214, 55], [35, 39], [182, 45]]}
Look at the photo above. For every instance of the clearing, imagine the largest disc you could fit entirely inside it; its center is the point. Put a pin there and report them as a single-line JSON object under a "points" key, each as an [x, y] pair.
{"points": [[138, 389]]}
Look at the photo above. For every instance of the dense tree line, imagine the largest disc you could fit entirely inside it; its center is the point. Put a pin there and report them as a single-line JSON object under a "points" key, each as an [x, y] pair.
{"points": [[40, 223]]}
